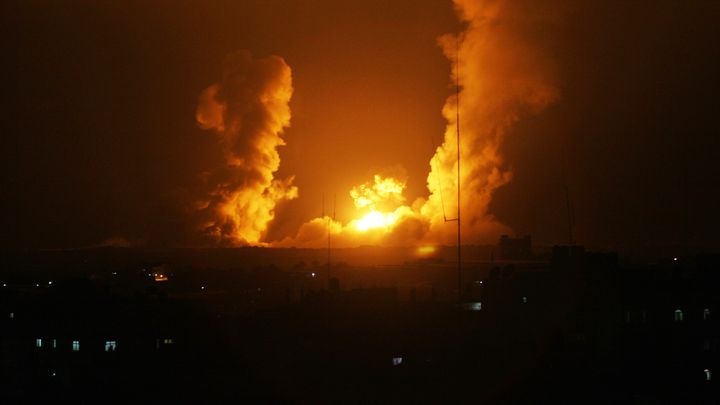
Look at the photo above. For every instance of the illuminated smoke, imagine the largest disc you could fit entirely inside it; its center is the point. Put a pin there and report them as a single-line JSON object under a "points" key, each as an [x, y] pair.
{"points": [[247, 110], [504, 73], [382, 191]]}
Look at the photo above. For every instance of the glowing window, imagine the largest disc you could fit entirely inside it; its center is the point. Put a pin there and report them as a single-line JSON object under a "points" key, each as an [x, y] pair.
{"points": [[678, 315], [76, 345], [396, 361], [12, 315], [708, 375], [54, 343], [706, 314], [524, 300], [38, 342], [110, 345], [167, 341]]}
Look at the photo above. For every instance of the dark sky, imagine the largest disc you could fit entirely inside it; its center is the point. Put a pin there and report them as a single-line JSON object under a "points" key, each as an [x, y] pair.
{"points": [[99, 138]]}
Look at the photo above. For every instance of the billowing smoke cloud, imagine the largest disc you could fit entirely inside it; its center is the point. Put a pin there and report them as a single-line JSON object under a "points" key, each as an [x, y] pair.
{"points": [[247, 110], [504, 72]]}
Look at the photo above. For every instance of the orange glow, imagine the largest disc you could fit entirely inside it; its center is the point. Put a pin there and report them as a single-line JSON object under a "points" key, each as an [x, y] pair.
{"points": [[160, 277], [425, 250], [384, 190], [384, 193], [498, 76], [375, 219]]}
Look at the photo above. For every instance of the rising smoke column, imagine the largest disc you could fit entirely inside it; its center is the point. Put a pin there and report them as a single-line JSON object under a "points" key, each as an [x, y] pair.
{"points": [[247, 110], [503, 73]]}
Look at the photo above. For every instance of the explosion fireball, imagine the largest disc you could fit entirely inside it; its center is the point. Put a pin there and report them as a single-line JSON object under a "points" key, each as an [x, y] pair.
{"points": [[501, 73]]}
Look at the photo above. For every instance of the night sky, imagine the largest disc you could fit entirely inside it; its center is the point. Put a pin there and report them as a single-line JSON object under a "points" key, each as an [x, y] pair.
{"points": [[100, 140]]}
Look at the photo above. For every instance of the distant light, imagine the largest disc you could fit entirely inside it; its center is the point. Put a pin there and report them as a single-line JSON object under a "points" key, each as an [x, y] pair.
{"points": [[12, 315], [50, 282], [76, 345], [4, 285], [53, 374], [674, 259], [396, 361], [473, 306], [425, 250], [524, 300], [708, 375], [115, 273], [312, 274], [37, 285], [38, 342], [202, 288]]}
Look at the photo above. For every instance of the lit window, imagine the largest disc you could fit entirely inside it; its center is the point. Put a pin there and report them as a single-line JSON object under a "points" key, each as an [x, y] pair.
{"points": [[54, 343], [110, 345], [678, 315], [167, 341], [12, 315], [706, 314], [708, 375], [396, 361], [38, 342], [76, 345], [524, 300]]}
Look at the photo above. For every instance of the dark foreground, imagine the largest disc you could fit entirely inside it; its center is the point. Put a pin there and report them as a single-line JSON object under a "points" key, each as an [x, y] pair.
{"points": [[578, 328]]}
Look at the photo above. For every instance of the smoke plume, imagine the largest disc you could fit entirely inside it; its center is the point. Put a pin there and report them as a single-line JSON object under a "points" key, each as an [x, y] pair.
{"points": [[503, 72], [247, 110]]}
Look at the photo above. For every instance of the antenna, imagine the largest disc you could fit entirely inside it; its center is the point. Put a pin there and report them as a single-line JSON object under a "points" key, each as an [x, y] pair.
{"points": [[328, 237], [442, 200], [457, 109]]}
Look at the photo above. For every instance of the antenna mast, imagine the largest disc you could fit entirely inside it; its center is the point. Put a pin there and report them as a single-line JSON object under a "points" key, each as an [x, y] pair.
{"points": [[442, 202], [457, 98], [328, 237]]}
